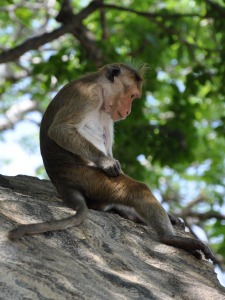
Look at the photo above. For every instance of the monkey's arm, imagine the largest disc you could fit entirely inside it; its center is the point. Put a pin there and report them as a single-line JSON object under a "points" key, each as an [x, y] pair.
{"points": [[64, 132]]}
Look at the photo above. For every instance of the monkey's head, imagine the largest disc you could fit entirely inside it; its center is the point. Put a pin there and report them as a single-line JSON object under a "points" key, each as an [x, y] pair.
{"points": [[124, 85]]}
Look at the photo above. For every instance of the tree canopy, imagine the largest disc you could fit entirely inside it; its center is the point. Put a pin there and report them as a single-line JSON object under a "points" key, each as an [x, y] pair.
{"points": [[174, 139]]}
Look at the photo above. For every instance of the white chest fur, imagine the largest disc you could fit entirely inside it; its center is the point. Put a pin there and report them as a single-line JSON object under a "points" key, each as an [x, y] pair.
{"points": [[97, 128]]}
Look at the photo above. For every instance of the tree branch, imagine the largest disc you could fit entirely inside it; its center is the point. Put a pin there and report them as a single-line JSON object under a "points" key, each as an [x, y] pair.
{"points": [[88, 41], [207, 215], [153, 15], [36, 42], [160, 20], [73, 25], [16, 113], [187, 210], [81, 32]]}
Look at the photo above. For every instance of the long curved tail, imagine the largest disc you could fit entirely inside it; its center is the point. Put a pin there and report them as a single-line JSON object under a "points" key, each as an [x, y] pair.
{"points": [[74, 199]]}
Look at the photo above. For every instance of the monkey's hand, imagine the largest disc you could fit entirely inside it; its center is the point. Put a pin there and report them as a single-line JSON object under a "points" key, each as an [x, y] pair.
{"points": [[110, 166]]}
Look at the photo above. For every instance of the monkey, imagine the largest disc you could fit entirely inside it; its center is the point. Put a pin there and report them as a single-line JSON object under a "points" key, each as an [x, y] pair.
{"points": [[76, 139]]}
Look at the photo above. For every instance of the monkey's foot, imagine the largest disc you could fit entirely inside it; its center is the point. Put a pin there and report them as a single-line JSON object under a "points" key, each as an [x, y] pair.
{"points": [[177, 222], [190, 245]]}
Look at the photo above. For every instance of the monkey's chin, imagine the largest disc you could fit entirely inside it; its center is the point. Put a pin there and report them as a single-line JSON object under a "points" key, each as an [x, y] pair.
{"points": [[118, 117]]}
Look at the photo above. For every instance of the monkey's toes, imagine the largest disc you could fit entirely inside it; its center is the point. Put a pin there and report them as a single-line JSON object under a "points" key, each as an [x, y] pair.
{"points": [[208, 253], [177, 222]]}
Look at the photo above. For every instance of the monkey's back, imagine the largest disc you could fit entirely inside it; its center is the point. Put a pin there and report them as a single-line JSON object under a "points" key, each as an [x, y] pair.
{"points": [[56, 159]]}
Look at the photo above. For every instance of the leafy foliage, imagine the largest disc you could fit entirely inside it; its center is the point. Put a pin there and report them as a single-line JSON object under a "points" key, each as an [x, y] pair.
{"points": [[174, 139]]}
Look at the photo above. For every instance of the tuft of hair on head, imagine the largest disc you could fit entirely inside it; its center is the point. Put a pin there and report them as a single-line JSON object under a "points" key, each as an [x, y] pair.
{"points": [[139, 68], [142, 69]]}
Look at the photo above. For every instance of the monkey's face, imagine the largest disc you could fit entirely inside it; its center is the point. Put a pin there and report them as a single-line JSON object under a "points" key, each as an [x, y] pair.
{"points": [[121, 107], [122, 87]]}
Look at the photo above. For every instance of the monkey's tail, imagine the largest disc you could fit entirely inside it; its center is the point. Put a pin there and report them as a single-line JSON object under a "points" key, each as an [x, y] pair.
{"points": [[75, 199]]}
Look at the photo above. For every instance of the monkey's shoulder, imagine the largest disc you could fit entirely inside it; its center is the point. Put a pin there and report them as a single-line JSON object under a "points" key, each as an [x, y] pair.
{"points": [[81, 94]]}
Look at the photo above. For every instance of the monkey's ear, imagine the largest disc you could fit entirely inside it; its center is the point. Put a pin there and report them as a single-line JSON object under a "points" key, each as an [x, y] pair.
{"points": [[112, 71]]}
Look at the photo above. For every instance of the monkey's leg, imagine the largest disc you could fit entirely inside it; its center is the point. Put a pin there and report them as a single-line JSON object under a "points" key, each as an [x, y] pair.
{"points": [[74, 199], [123, 190]]}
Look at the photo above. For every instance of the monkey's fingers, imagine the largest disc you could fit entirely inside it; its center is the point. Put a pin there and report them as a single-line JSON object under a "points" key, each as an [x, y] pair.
{"points": [[118, 168], [111, 171], [188, 244], [111, 167], [196, 254], [114, 171], [177, 222]]}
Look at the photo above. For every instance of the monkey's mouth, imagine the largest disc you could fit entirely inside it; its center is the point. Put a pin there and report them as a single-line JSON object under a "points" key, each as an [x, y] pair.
{"points": [[119, 114]]}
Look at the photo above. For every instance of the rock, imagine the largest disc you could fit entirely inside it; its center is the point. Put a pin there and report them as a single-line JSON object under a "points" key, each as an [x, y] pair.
{"points": [[106, 257]]}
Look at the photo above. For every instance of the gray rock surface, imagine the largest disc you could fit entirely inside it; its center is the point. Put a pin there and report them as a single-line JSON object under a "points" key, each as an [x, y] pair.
{"points": [[107, 257]]}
